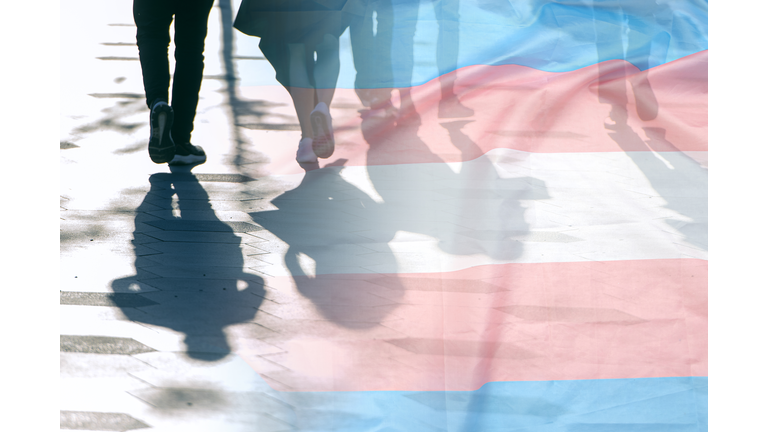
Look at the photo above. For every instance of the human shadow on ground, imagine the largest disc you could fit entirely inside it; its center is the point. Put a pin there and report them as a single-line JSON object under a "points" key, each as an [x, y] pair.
{"points": [[642, 39], [472, 211], [195, 262], [339, 237], [336, 237], [681, 181]]}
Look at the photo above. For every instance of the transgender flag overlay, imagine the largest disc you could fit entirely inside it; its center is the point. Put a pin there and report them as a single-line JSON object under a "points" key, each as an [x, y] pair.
{"points": [[515, 240]]}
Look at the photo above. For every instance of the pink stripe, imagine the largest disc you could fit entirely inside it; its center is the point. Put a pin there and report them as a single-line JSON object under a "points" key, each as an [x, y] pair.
{"points": [[518, 108], [459, 330]]}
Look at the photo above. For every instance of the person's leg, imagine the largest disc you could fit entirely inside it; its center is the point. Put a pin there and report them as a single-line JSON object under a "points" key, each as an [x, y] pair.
{"points": [[362, 40], [405, 17], [641, 43], [326, 73], [153, 20], [301, 89], [611, 75], [384, 81], [191, 27], [327, 67], [303, 96], [447, 14]]}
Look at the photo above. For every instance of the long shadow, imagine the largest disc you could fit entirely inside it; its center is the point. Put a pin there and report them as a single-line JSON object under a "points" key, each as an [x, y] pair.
{"points": [[634, 36], [334, 230], [195, 263], [679, 179], [336, 233], [472, 211]]}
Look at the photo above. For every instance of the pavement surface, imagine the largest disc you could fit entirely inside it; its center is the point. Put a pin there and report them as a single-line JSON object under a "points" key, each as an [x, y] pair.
{"points": [[191, 297]]}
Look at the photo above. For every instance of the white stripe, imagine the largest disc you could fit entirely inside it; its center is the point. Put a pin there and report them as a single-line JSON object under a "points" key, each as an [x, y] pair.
{"points": [[508, 206]]}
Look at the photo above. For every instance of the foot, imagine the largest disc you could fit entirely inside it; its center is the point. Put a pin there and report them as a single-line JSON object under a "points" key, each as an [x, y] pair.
{"points": [[188, 154], [306, 154], [161, 146], [322, 143]]}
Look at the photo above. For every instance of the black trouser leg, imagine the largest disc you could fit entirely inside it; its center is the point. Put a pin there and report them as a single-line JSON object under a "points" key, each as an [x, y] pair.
{"points": [[153, 20], [191, 27]]}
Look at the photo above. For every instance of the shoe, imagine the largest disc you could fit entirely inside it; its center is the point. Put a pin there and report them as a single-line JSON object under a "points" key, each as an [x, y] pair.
{"points": [[188, 154], [161, 146], [306, 154], [322, 144]]}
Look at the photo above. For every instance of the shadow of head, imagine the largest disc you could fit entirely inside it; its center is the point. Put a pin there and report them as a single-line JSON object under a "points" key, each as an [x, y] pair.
{"points": [[189, 268]]}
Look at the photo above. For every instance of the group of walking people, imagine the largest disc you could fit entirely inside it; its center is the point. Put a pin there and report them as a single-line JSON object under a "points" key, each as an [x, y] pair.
{"points": [[300, 38]]}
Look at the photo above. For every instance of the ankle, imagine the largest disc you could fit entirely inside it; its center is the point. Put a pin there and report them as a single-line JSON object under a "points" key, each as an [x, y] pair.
{"points": [[157, 101]]}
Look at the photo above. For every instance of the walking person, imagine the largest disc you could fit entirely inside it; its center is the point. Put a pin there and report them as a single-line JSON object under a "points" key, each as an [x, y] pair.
{"points": [[300, 38], [171, 124]]}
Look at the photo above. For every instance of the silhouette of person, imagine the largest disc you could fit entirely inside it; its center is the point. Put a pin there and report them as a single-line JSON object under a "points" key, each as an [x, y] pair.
{"points": [[201, 285], [494, 220], [640, 38], [171, 125], [300, 38], [645, 27], [322, 234], [406, 16]]}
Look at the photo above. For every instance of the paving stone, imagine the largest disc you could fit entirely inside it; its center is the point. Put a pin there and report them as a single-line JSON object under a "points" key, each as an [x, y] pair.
{"points": [[203, 214], [227, 178], [109, 276], [230, 374], [104, 299], [162, 199], [102, 394], [91, 365], [180, 270], [101, 345], [248, 281], [400, 283], [470, 348], [212, 404], [204, 226], [99, 421], [198, 236]]}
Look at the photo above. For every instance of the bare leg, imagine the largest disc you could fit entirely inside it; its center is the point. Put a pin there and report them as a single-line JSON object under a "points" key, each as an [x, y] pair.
{"points": [[327, 66], [301, 90]]}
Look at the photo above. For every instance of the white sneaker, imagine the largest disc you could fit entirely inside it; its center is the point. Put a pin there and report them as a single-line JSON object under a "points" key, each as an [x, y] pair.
{"points": [[323, 143], [305, 154]]}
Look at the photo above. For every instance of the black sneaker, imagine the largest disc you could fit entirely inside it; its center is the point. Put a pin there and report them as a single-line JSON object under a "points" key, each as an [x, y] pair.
{"points": [[188, 154], [161, 146]]}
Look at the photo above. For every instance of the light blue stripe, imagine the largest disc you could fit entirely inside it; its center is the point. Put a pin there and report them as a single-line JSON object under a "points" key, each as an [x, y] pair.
{"points": [[549, 36], [615, 405]]}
